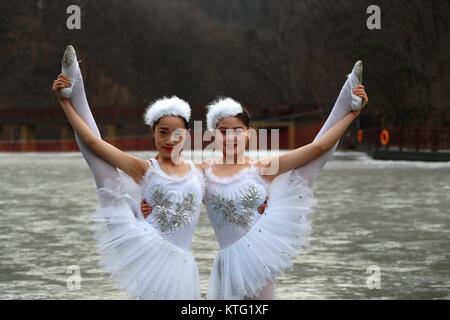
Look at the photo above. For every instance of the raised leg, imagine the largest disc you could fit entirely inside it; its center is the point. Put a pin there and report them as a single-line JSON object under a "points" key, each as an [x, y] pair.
{"points": [[345, 102], [101, 170]]}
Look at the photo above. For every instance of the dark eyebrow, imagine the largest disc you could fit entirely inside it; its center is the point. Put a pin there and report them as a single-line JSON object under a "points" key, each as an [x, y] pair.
{"points": [[222, 128]]}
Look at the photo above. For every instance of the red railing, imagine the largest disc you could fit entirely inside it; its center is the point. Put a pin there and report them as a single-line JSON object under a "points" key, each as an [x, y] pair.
{"points": [[416, 139], [124, 143]]}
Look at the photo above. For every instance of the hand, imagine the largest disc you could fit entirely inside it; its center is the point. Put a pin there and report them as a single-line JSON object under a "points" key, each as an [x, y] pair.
{"points": [[146, 209], [360, 92], [262, 207], [60, 83]]}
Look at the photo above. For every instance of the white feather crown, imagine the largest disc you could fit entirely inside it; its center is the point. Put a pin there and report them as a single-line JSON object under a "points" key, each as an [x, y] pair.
{"points": [[173, 106], [219, 109]]}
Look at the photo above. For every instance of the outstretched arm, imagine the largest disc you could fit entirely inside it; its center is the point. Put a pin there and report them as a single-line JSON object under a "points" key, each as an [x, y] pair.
{"points": [[133, 166], [309, 152]]}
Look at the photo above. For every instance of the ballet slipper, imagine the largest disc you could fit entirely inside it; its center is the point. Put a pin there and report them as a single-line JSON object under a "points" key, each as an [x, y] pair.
{"points": [[69, 69], [355, 79]]}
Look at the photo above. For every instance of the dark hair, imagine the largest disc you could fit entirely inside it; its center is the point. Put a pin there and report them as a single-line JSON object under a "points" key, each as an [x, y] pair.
{"points": [[186, 124], [244, 116]]}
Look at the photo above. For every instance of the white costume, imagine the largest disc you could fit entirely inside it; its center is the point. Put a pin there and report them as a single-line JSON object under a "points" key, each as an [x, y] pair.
{"points": [[151, 258], [255, 248]]}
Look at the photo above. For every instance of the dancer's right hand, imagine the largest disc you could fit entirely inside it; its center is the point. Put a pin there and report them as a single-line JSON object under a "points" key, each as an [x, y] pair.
{"points": [[60, 83], [146, 209], [262, 208]]}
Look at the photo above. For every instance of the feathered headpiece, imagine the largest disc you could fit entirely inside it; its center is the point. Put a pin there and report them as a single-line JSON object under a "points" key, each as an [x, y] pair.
{"points": [[173, 106], [219, 109]]}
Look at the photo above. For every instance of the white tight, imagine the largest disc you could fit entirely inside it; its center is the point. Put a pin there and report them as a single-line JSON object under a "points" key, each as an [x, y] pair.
{"points": [[341, 107], [101, 170]]}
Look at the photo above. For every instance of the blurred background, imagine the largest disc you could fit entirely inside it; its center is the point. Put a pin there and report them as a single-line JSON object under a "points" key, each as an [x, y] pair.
{"points": [[286, 61]]}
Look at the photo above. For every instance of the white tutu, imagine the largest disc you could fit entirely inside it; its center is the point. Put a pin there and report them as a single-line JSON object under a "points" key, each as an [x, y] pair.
{"points": [[133, 251], [245, 267]]}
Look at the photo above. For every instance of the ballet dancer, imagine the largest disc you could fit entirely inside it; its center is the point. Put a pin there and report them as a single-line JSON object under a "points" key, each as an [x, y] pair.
{"points": [[255, 249], [149, 258]]}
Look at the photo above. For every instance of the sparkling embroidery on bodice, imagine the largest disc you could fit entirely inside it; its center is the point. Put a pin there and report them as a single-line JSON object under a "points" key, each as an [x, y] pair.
{"points": [[232, 202], [228, 207], [169, 215], [175, 201]]}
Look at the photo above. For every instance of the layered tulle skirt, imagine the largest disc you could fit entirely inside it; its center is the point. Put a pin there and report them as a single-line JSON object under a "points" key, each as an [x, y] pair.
{"points": [[135, 254], [242, 269]]}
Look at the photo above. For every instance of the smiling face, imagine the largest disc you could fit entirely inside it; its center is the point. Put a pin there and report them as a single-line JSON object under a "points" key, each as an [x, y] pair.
{"points": [[169, 133], [233, 133]]}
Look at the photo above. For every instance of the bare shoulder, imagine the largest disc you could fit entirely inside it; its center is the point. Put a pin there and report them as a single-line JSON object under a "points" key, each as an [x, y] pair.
{"points": [[200, 166], [204, 164], [140, 168], [263, 163], [267, 170], [144, 165]]}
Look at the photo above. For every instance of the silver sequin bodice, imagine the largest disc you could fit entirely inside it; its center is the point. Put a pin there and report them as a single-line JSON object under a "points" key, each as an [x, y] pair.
{"points": [[175, 203], [232, 203]]}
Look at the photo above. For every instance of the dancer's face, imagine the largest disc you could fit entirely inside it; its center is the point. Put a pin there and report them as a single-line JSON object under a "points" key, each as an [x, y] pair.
{"points": [[170, 134], [234, 135]]}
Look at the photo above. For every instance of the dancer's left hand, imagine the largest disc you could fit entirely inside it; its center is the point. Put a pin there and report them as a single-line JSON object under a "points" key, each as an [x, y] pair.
{"points": [[60, 83], [146, 209], [262, 207], [360, 92]]}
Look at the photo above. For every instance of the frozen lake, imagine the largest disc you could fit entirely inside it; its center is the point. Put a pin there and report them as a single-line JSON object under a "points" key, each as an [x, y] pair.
{"points": [[391, 217]]}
